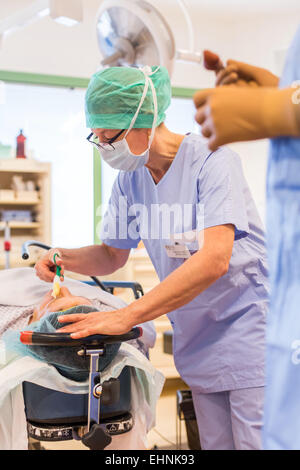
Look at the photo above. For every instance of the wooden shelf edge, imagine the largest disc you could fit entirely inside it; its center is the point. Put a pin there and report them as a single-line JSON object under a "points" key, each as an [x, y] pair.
{"points": [[17, 202], [20, 225]]}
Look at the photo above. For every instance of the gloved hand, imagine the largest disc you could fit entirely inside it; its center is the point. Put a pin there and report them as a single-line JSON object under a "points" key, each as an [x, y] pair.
{"points": [[46, 269], [232, 114], [242, 74]]}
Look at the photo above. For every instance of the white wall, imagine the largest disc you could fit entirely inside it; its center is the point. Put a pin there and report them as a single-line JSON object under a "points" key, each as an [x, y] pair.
{"points": [[258, 37]]}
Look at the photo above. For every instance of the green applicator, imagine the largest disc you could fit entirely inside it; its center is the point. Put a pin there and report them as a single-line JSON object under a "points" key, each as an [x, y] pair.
{"points": [[56, 280]]}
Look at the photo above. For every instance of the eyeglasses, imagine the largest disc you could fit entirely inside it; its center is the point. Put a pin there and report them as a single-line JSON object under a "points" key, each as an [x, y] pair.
{"points": [[104, 145]]}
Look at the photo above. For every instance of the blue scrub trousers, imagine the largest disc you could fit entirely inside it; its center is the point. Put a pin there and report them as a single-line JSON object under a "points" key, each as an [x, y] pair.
{"points": [[230, 420]]}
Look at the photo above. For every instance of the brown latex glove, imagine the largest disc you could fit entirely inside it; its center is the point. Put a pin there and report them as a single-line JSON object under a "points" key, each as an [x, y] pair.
{"points": [[238, 73], [242, 74], [232, 114], [212, 61]]}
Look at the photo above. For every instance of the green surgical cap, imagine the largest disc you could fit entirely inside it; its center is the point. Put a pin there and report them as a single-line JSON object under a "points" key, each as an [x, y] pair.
{"points": [[114, 94]]}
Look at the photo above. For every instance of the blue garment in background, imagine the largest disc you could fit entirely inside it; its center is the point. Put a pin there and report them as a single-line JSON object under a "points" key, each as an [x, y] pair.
{"points": [[282, 400], [219, 337]]}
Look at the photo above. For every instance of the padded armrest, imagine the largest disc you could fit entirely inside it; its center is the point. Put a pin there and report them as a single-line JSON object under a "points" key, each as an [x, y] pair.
{"points": [[64, 339]]}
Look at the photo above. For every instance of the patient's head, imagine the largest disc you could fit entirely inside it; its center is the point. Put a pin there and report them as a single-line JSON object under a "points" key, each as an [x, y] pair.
{"points": [[45, 320], [64, 301]]}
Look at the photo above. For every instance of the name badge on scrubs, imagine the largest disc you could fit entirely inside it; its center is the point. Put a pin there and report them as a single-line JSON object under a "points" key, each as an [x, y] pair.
{"points": [[177, 251], [183, 244]]}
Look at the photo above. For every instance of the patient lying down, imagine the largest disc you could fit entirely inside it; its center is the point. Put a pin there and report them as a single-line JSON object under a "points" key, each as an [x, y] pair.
{"points": [[63, 302], [43, 318]]}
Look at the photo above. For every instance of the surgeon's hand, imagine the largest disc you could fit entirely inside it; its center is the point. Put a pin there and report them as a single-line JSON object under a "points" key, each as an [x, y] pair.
{"points": [[242, 74], [46, 269], [96, 323], [232, 114]]}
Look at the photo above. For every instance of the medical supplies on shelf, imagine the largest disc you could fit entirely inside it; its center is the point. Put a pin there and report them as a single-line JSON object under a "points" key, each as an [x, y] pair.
{"points": [[21, 139], [24, 204], [20, 190], [16, 215], [9, 196]]}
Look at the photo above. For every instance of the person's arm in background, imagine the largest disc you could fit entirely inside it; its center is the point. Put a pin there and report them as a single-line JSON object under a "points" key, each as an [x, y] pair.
{"points": [[94, 260], [242, 74], [246, 105], [238, 73], [233, 114]]}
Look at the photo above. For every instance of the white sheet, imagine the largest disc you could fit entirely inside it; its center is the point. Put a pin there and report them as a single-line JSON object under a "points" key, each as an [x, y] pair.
{"points": [[21, 287], [147, 382]]}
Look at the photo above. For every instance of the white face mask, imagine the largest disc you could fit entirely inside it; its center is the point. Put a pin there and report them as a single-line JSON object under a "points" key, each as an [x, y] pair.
{"points": [[120, 157]]}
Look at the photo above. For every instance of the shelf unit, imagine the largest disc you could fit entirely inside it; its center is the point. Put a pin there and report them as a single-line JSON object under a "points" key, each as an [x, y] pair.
{"points": [[40, 229]]}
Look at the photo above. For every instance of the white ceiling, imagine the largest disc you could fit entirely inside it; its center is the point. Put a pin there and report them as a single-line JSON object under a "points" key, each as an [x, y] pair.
{"points": [[237, 7], [246, 5], [7, 8]]}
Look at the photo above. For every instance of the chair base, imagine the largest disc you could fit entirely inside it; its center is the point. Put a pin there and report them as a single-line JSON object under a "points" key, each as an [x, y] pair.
{"points": [[56, 433]]}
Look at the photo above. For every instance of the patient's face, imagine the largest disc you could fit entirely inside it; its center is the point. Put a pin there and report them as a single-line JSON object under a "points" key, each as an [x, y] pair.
{"points": [[64, 301]]}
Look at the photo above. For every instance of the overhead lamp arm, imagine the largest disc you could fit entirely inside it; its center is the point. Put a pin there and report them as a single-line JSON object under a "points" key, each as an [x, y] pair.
{"points": [[190, 55], [190, 26]]}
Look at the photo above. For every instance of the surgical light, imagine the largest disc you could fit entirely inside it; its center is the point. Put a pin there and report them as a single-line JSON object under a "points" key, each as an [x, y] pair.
{"points": [[134, 33]]}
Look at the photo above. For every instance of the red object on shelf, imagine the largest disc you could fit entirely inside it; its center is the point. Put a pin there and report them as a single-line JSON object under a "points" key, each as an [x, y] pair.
{"points": [[21, 145], [7, 246]]}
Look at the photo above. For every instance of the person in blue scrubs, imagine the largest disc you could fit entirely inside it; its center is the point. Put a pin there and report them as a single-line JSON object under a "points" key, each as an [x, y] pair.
{"points": [[267, 111], [193, 211]]}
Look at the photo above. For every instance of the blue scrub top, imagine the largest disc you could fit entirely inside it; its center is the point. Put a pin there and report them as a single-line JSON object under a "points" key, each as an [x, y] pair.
{"points": [[282, 404], [219, 336]]}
